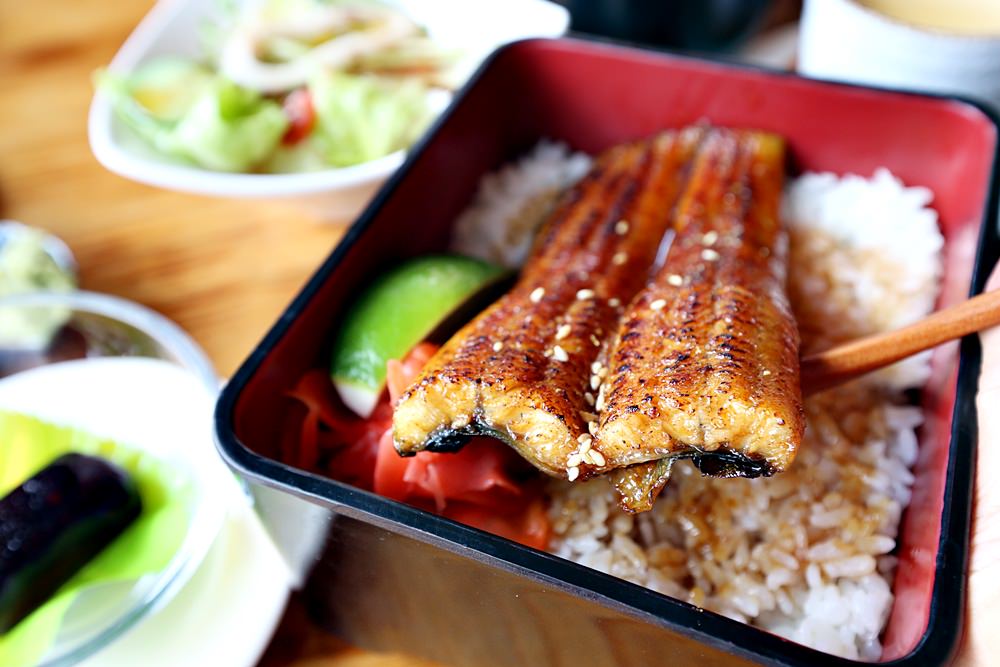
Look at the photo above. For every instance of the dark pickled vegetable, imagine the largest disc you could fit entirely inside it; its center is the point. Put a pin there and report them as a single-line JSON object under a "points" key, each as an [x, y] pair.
{"points": [[54, 524]]}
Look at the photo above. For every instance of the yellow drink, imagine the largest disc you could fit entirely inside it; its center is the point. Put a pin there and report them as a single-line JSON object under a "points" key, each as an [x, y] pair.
{"points": [[970, 17]]}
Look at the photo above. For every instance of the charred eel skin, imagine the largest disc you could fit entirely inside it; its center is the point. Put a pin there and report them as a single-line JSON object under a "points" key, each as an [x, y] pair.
{"points": [[705, 363], [522, 370]]}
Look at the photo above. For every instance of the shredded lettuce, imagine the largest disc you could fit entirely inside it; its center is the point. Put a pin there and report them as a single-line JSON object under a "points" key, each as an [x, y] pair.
{"points": [[214, 29], [184, 110], [305, 156], [363, 117]]}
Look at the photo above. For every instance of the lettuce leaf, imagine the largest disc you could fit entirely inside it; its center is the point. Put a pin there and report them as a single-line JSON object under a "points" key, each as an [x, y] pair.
{"points": [[304, 156], [147, 546], [362, 117], [183, 110]]}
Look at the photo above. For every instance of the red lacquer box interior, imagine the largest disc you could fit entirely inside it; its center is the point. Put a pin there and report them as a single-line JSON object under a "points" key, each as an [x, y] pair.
{"points": [[393, 577]]}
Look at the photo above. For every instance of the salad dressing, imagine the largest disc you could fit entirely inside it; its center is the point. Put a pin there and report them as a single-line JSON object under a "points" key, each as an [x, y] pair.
{"points": [[353, 31]]}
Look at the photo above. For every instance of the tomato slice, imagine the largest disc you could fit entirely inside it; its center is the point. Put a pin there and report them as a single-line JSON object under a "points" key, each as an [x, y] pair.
{"points": [[301, 114]]}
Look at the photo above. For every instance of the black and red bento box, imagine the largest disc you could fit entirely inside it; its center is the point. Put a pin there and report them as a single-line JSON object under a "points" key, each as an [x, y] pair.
{"points": [[388, 576]]}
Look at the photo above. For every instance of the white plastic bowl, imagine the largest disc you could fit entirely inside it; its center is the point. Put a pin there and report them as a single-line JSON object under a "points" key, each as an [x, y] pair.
{"points": [[172, 27], [845, 40]]}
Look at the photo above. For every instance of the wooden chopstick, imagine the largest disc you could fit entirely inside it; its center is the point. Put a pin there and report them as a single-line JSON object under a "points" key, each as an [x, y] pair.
{"points": [[850, 360]]}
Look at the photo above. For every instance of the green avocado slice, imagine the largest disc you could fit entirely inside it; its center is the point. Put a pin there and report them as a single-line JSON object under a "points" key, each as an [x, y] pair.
{"points": [[395, 313]]}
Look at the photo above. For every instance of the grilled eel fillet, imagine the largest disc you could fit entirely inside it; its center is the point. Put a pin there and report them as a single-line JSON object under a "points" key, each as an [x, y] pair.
{"points": [[520, 370], [705, 365]]}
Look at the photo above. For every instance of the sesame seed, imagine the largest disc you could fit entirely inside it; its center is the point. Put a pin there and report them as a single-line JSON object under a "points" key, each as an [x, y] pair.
{"points": [[658, 304], [766, 372], [586, 444], [709, 255], [587, 416], [585, 294], [559, 354], [619, 258], [583, 438], [572, 473], [587, 396], [592, 427], [595, 368], [574, 461], [621, 227], [547, 353], [614, 302], [675, 280], [597, 458], [599, 404], [563, 331], [497, 346], [710, 237], [595, 381], [595, 340], [537, 294]]}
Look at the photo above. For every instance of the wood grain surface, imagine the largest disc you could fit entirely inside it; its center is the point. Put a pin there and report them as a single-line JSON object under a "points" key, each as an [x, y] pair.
{"points": [[222, 269]]}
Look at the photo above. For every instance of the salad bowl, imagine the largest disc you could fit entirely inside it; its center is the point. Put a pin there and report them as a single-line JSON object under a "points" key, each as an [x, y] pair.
{"points": [[176, 28]]}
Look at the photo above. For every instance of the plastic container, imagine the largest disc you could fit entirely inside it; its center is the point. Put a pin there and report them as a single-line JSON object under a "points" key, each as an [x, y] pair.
{"points": [[391, 577]]}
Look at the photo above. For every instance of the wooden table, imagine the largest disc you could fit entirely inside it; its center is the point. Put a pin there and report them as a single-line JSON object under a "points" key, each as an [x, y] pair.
{"points": [[222, 269]]}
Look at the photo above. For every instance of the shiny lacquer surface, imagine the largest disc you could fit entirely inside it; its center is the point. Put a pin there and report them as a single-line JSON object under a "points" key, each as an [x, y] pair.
{"points": [[444, 591]]}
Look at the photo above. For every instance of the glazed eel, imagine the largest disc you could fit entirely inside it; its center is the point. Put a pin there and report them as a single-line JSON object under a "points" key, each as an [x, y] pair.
{"points": [[705, 363], [521, 370], [586, 368]]}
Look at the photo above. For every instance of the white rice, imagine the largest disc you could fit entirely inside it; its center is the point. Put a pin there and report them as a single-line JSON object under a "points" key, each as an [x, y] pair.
{"points": [[806, 554], [882, 251], [513, 201]]}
